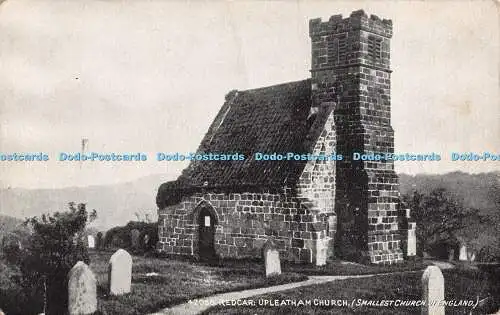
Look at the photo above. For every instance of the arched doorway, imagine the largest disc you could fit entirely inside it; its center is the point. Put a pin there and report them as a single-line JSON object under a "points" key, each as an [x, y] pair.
{"points": [[206, 229]]}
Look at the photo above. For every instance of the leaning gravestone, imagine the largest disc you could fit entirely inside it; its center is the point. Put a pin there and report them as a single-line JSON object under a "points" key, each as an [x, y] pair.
{"points": [[120, 272], [82, 290], [134, 237], [433, 291], [271, 259]]}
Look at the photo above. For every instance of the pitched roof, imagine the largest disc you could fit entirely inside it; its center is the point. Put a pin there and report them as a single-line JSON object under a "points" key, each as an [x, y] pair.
{"points": [[267, 120]]}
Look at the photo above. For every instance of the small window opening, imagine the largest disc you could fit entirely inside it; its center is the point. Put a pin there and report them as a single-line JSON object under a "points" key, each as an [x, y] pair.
{"points": [[374, 47]]}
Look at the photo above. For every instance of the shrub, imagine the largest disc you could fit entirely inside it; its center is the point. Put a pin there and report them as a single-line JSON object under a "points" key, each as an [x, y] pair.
{"points": [[56, 246], [120, 236], [117, 237]]}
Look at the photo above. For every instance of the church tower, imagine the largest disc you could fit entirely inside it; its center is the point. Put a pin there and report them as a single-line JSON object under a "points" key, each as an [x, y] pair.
{"points": [[351, 74]]}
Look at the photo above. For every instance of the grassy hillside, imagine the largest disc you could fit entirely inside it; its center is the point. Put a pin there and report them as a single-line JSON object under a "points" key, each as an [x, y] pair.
{"points": [[115, 204], [479, 191]]}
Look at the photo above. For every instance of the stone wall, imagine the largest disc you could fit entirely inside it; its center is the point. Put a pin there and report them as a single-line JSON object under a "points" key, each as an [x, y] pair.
{"points": [[350, 70], [244, 223], [316, 185]]}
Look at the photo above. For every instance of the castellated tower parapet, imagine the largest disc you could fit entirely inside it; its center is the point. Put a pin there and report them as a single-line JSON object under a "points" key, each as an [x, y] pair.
{"points": [[356, 40], [350, 74], [356, 21]]}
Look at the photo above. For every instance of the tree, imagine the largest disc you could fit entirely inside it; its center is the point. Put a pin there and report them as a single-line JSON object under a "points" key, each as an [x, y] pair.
{"points": [[12, 245], [439, 216], [56, 246]]}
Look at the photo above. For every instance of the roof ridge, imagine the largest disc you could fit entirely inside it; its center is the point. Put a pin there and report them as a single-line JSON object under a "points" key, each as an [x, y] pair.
{"points": [[274, 86]]}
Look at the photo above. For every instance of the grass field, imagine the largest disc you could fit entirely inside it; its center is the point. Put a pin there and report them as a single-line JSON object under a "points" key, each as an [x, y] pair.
{"points": [[460, 284], [340, 268], [177, 282]]}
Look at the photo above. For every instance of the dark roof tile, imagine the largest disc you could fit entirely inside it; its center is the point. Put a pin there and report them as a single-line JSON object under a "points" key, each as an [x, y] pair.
{"points": [[268, 120]]}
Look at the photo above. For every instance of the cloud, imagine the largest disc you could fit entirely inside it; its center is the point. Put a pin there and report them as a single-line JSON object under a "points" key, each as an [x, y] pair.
{"points": [[152, 75]]}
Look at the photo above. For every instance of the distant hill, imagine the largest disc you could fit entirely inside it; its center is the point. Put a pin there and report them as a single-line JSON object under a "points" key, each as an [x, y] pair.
{"points": [[115, 204], [480, 191], [8, 224]]}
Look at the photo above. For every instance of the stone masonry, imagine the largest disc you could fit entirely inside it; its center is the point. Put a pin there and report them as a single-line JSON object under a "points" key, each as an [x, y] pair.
{"points": [[245, 222], [313, 209], [351, 71]]}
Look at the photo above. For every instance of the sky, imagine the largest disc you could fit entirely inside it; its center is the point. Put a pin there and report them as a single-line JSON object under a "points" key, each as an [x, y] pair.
{"points": [[150, 76]]}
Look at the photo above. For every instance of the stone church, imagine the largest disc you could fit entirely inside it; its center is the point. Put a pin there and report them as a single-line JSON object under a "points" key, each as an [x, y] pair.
{"points": [[313, 210]]}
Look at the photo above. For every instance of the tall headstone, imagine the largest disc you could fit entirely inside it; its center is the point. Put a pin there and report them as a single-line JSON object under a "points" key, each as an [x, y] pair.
{"points": [[120, 273], [433, 291], [411, 249], [82, 290], [271, 259], [463, 253], [320, 252], [90, 241], [134, 237]]}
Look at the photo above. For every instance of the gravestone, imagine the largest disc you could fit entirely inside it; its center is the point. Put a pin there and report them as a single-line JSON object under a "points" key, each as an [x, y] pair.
{"points": [[134, 237], [432, 291], [463, 253], [451, 254], [320, 252], [90, 241], [82, 290], [411, 248], [120, 272], [271, 259], [77, 238]]}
